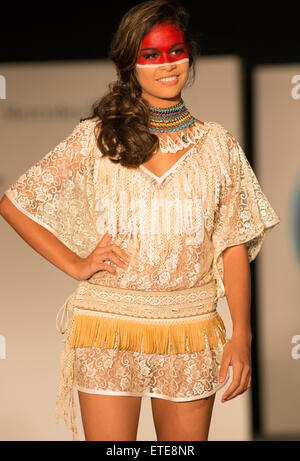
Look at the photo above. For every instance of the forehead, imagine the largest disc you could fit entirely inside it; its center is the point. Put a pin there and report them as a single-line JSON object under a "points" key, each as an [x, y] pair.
{"points": [[162, 35]]}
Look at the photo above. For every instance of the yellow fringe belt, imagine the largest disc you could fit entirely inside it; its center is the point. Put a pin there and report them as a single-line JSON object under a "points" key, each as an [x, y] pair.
{"points": [[178, 322], [178, 337]]}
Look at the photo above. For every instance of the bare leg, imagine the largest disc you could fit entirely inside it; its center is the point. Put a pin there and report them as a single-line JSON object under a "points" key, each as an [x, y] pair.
{"points": [[182, 420], [109, 417]]}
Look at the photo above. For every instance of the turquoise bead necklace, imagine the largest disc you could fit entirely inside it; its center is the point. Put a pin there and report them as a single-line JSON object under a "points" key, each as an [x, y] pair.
{"points": [[173, 118]]}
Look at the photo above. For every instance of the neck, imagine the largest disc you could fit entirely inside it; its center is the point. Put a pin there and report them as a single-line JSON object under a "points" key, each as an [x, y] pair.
{"points": [[172, 118], [160, 102]]}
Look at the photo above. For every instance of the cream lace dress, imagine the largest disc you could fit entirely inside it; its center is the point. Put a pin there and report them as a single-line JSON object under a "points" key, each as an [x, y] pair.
{"points": [[79, 195]]}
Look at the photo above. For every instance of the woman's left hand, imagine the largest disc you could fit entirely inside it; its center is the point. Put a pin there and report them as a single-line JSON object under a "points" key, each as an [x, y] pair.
{"points": [[237, 353]]}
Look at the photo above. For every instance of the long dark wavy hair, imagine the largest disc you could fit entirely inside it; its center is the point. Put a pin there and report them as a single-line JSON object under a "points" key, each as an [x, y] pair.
{"points": [[123, 114]]}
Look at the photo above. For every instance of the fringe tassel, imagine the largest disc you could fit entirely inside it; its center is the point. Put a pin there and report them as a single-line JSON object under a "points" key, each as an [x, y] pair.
{"points": [[179, 141], [93, 331], [65, 408]]}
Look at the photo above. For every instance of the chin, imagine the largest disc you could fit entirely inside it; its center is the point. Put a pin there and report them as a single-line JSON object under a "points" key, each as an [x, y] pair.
{"points": [[169, 90], [169, 94]]}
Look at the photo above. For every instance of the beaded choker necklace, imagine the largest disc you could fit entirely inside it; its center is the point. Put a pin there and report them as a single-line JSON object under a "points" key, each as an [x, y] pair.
{"points": [[174, 119]]}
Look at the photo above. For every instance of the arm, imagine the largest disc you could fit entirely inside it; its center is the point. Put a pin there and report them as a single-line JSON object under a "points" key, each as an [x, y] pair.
{"points": [[48, 206], [52, 249], [237, 352], [56, 192], [237, 283], [243, 218], [39, 238]]}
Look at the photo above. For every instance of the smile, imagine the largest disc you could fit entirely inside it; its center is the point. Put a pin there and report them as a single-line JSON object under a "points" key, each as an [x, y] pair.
{"points": [[171, 79]]}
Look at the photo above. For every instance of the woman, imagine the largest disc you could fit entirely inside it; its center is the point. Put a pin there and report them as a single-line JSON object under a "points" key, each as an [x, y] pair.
{"points": [[158, 215]]}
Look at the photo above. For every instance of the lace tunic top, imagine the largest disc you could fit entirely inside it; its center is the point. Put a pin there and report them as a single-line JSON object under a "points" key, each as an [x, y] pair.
{"points": [[175, 227]]}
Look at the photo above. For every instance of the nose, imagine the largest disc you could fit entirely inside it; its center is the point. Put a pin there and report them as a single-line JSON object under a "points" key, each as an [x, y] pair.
{"points": [[167, 63], [168, 66]]}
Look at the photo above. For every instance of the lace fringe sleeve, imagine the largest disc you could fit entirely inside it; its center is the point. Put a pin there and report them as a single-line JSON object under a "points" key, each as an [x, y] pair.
{"points": [[53, 191], [244, 214]]}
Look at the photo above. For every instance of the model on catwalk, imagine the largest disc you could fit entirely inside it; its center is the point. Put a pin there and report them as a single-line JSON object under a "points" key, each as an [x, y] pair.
{"points": [[157, 214]]}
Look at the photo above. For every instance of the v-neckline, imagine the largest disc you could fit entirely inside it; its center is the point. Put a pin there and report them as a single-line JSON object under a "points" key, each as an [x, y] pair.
{"points": [[160, 179]]}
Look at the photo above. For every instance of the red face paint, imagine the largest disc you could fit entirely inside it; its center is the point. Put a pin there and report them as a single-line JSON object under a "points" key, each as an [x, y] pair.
{"points": [[163, 45]]}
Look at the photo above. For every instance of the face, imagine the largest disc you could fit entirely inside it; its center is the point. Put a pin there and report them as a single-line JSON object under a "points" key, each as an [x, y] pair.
{"points": [[162, 67]]}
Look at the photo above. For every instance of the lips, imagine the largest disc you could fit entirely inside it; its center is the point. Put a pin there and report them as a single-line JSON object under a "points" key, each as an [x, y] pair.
{"points": [[168, 76]]}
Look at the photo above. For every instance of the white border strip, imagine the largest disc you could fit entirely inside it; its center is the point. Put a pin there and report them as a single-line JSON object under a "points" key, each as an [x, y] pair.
{"points": [[161, 65]]}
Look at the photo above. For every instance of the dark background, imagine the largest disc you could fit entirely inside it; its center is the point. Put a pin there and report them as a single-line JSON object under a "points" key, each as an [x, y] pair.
{"points": [[259, 33], [262, 32]]}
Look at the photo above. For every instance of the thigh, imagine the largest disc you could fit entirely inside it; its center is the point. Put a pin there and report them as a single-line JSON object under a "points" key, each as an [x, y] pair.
{"points": [[109, 417], [182, 420]]}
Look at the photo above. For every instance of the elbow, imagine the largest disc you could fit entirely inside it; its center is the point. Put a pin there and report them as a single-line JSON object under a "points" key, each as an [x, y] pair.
{"points": [[1, 206], [4, 203]]}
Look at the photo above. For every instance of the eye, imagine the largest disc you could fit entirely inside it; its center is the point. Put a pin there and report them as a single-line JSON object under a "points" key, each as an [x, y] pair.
{"points": [[148, 56], [178, 51]]}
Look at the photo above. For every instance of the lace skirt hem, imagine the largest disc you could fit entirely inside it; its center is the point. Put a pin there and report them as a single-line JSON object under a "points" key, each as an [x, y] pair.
{"points": [[153, 394]]}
